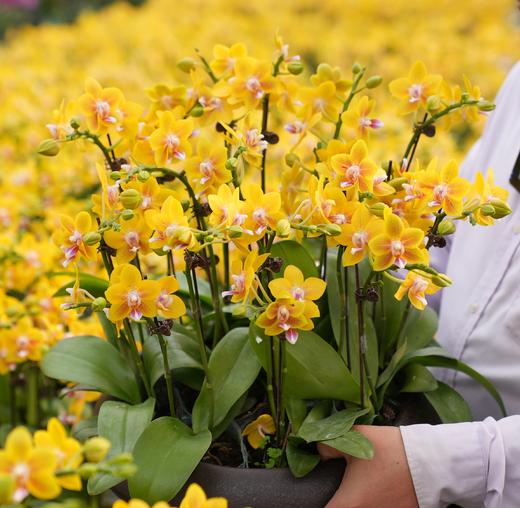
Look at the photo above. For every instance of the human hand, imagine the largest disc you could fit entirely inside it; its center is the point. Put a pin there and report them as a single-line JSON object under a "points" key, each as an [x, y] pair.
{"points": [[383, 481]]}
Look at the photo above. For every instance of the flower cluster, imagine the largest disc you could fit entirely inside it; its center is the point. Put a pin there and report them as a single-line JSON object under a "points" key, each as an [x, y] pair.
{"points": [[43, 464]]}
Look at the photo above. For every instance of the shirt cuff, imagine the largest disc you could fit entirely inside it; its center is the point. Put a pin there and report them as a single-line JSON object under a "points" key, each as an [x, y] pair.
{"points": [[448, 463]]}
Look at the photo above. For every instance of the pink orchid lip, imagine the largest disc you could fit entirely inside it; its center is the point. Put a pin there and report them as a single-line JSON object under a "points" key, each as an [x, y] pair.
{"points": [[291, 335]]}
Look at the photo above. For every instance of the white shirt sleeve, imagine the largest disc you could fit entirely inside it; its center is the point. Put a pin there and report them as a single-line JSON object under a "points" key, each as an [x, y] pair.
{"points": [[472, 465]]}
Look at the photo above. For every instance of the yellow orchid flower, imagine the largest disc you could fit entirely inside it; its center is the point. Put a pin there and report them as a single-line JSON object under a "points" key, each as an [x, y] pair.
{"points": [[417, 286], [137, 503], [397, 244], [244, 277], [322, 98], [31, 467], [355, 236], [484, 191], [294, 285], [358, 118], [70, 238], [226, 57], [130, 295], [415, 89], [131, 239], [152, 194], [262, 210], [195, 497], [100, 106], [171, 227], [226, 207], [446, 188], [207, 170], [287, 316], [355, 169], [67, 451], [257, 430], [169, 305], [170, 141]]}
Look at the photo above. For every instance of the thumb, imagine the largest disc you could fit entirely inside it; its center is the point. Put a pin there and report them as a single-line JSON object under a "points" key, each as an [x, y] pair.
{"points": [[327, 452]]}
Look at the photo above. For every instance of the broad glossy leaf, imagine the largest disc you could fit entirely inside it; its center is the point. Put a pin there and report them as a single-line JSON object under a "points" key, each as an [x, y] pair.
{"points": [[315, 371], [418, 378], [353, 443], [86, 429], [294, 253], [449, 404], [300, 460], [121, 424], [204, 288], [233, 367], [93, 362], [94, 285], [331, 427], [183, 353], [166, 454], [296, 411]]}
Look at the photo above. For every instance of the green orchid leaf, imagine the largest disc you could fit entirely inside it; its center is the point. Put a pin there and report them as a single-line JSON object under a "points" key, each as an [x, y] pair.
{"points": [[121, 424], [449, 404], [93, 362], [166, 454], [233, 367], [418, 378], [331, 427], [94, 285], [294, 253], [353, 443], [300, 460]]}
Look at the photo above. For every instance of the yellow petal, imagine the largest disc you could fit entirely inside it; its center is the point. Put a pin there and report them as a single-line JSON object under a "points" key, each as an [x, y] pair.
{"points": [[19, 444]]}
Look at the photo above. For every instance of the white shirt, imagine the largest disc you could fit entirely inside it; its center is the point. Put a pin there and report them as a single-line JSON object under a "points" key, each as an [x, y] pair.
{"points": [[478, 464]]}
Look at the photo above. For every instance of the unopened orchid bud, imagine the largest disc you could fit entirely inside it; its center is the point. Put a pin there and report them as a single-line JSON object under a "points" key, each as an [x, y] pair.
{"points": [[283, 228], [331, 229], [441, 280], [446, 227], [291, 159], [87, 470], [235, 232], [397, 183], [91, 238], [487, 210], [433, 103], [49, 148], [99, 304], [373, 82], [231, 163], [143, 176], [115, 175], [502, 209], [127, 214], [122, 458], [356, 68], [125, 470], [130, 198], [295, 68], [377, 209], [186, 64], [197, 111], [485, 106], [75, 123], [96, 448], [185, 203]]}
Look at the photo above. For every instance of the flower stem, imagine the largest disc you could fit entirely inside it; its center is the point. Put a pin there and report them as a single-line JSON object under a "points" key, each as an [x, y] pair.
{"points": [[136, 356], [347, 102], [32, 401], [265, 117], [361, 338], [166, 365], [342, 305], [197, 319]]}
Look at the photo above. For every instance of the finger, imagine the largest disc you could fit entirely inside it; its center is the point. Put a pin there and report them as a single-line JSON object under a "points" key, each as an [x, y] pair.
{"points": [[327, 452]]}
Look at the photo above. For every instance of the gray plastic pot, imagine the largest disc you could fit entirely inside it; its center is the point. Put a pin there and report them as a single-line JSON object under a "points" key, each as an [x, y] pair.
{"points": [[275, 488], [263, 488]]}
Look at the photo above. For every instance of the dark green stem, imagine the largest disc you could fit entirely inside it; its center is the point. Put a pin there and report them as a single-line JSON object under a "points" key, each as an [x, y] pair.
{"points": [[265, 117], [137, 357], [32, 394], [361, 338], [347, 102]]}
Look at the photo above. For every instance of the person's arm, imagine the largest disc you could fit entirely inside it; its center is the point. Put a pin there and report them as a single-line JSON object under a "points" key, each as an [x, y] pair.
{"points": [[472, 465], [469, 464]]}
